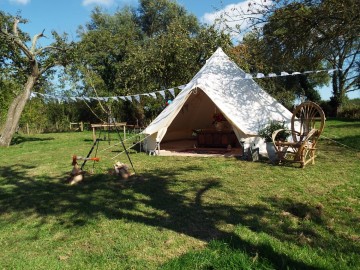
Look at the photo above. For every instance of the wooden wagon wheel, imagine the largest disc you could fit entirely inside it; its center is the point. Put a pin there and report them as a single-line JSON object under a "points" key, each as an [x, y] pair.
{"points": [[308, 115]]}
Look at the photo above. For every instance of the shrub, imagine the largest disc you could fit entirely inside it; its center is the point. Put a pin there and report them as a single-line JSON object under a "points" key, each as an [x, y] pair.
{"points": [[268, 130]]}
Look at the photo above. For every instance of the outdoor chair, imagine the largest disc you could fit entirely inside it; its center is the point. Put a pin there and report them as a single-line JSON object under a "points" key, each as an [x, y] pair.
{"points": [[307, 124]]}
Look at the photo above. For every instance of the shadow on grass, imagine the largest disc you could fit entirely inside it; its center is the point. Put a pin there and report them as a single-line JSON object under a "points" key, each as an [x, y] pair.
{"points": [[350, 126], [21, 139], [103, 196], [345, 142]]}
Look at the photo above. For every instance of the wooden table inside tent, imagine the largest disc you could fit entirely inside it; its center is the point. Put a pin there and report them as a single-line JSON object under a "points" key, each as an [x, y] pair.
{"points": [[108, 125], [215, 138]]}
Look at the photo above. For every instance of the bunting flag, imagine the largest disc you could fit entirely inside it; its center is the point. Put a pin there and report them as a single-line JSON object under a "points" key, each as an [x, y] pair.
{"points": [[172, 91], [137, 97], [283, 74], [162, 93]]}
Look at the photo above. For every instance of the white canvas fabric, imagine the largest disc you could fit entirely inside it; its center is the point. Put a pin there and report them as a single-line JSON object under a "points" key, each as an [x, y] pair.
{"points": [[220, 85]]}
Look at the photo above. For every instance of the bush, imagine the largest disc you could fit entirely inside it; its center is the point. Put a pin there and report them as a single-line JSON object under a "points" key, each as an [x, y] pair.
{"points": [[268, 130], [350, 112]]}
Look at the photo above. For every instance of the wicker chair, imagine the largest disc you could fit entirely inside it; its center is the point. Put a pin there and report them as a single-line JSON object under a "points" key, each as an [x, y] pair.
{"points": [[307, 124]]}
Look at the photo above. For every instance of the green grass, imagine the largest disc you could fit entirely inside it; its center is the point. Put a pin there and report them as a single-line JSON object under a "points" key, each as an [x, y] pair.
{"points": [[179, 212]]}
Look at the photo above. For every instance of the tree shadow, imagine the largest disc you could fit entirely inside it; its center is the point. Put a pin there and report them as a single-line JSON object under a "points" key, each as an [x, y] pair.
{"points": [[344, 143], [176, 211], [355, 124], [21, 139]]}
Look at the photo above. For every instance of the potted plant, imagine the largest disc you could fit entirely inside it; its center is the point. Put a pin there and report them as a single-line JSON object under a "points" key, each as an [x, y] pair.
{"points": [[266, 133]]}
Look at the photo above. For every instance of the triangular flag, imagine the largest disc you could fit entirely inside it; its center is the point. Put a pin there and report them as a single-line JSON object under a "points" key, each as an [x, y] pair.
{"points": [[181, 87], [137, 98], [106, 99], [295, 73], [87, 99], [152, 95], [248, 76], [115, 98], [260, 75], [172, 91], [272, 75], [128, 98], [33, 94], [73, 98], [162, 93], [283, 73]]}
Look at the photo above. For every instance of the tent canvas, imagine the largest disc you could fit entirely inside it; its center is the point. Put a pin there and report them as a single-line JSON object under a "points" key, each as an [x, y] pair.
{"points": [[219, 86]]}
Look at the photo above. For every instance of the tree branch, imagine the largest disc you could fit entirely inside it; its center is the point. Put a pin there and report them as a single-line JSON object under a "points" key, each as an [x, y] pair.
{"points": [[41, 50], [16, 39], [47, 67], [15, 27], [34, 41]]}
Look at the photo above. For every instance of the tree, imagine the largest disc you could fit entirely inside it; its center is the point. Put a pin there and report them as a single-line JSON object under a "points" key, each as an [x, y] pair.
{"points": [[25, 64], [325, 32], [154, 17], [132, 51]]}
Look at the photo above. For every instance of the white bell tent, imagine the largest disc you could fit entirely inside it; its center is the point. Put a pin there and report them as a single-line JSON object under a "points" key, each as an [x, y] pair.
{"points": [[220, 86]]}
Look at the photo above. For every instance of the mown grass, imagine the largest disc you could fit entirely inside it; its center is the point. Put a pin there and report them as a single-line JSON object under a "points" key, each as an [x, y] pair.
{"points": [[178, 212]]}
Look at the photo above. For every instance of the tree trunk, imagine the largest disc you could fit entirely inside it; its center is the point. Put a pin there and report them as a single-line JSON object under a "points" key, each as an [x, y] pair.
{"points": [[14, 112]]}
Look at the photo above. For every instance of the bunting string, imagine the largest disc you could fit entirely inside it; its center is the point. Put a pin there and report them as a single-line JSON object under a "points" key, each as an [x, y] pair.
{"points": [[171, 91], [130, 98]]}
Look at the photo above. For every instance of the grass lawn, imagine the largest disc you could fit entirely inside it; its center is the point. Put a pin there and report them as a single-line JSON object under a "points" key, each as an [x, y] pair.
{"points": [[179, 212]]}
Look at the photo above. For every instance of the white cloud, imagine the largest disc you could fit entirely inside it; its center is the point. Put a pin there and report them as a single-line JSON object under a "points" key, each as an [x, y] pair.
{"points": [[20, 2], [235, 15], [98, 2], [107, 3]]}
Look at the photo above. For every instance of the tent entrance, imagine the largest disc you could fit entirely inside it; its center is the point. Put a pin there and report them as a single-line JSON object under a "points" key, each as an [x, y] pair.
{"points": [[193, 128]]}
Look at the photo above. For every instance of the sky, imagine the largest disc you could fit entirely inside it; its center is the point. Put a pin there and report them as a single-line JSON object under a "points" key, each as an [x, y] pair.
{"points": [[68, 15]]}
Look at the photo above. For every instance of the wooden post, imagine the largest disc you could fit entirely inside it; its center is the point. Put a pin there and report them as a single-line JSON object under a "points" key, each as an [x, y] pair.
{"points": [[124, 127], [81, 126], [27, 129], [94, 134]]}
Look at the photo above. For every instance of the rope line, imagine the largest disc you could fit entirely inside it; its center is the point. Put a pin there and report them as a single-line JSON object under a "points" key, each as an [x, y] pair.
{"points": [[129, 147], [94, 112], [116, 144]]}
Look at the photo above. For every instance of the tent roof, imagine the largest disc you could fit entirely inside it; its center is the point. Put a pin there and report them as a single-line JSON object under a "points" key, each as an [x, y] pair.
{"points": [[245, 105]]}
